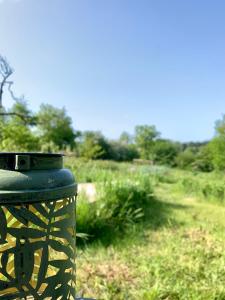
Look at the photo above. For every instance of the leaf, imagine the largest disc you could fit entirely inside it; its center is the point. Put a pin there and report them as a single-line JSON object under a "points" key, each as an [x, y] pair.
{"points": [[68, 209], [4, 261], [65, 223], [65, 235], [24, 261], [3, 227], [31, 217], [43, 266], [17, 214], [57, 246], [60, 278], [62, 264], [38, 245], [40, 208], [22, 233]]}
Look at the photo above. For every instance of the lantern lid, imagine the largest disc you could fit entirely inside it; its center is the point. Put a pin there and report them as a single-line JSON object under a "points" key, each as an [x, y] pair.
{"points": [[34, 177]]}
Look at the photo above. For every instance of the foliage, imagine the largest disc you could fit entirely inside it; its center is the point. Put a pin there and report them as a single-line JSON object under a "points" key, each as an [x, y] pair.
{"points": [[145, 136], [119, 202], [165, 152], [220, 127], [217, 149], [54, 125], [176, 252], [125, 138], [185, 159], [15, 132], [203, 161], [122, 152], [217, 145], [17, 138], [93, 145], [22, 114], [195, 158]]}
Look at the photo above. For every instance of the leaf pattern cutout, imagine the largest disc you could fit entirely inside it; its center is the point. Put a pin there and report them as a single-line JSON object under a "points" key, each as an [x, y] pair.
{"points": [[37, 250]]}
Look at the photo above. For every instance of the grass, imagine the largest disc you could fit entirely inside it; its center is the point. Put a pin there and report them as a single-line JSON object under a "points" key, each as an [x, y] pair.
{"points": [[176, 252], [183, 258], [119, 203]]}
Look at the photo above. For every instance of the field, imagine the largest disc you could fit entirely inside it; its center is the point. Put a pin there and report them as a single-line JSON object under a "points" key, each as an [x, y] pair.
{"points": [[150, 233]]}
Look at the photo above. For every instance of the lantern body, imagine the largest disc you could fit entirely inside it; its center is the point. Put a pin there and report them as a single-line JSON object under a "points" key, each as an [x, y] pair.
{"points": [[37, 232]]}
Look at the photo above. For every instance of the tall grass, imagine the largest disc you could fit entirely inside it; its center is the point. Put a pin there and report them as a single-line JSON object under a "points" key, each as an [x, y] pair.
{"points": [[210, 187], [94, 171], [125, 192], [119, 203]]}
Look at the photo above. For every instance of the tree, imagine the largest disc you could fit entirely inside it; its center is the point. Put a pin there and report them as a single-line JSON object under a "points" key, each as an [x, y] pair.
{"points": [[17, 137], [217, 145], [185, 159], [15, 132], [55, 126], [165, 152], [122, 152], [220, 127], [217, 151], [93, 145], [125, 138], [5, 72], [18, 109], [145, 136], [203, 161]]}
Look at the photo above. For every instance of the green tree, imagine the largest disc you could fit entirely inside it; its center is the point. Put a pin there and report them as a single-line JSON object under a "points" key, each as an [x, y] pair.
{"points": [[55, 127], [185, 159], [21, 114], [145, 136], [93, 145], [203, 161], [125, 138], [123, 152], [217, 150], [217, 145], [220, 127], [15, 129], [165, 152], [17, 137]]}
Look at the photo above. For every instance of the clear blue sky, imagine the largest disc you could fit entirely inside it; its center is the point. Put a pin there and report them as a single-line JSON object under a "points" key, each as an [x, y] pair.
{"points": [[118, 63]]}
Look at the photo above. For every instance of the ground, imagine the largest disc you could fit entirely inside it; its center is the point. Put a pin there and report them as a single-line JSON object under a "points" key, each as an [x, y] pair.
{"points": [[177, 253]]}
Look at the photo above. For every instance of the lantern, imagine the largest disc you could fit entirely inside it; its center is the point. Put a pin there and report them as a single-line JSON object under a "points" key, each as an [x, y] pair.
{"points": [[37, 227]]}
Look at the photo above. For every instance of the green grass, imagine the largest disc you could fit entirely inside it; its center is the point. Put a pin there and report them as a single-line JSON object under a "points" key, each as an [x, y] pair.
{"points": [[176, 252], [120, 202]]}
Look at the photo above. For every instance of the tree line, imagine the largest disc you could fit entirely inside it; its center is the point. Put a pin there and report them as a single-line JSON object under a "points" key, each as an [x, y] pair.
{"points": [[51, 130]]}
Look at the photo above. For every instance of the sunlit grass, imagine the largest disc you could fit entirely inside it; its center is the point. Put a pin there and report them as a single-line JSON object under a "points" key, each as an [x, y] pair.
{"points": [[176, 252]]}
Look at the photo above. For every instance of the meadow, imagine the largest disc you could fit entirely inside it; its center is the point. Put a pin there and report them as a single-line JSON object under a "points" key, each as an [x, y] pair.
{"points": [[150, 233]]}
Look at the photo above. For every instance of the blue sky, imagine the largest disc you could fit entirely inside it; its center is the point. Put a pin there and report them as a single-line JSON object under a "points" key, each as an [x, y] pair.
{"points": [[115, 64]]}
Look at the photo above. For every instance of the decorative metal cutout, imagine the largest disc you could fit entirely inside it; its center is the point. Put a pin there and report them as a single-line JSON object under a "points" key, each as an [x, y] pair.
{"points": [[37, 250]]}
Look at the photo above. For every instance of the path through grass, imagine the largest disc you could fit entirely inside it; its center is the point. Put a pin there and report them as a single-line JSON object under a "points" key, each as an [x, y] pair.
{"points": [[180, 255]]}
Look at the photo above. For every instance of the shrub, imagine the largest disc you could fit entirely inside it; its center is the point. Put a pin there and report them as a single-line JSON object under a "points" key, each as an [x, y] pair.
{"points": [[118, 204], [185, 159], [208, 188]]}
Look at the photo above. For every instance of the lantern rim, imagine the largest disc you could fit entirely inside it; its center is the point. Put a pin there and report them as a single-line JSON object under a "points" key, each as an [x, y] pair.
{"points": [[34, 177]]}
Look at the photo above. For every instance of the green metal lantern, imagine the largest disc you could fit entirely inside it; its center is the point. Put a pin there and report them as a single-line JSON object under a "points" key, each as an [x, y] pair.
{"points": [[37, 227]]}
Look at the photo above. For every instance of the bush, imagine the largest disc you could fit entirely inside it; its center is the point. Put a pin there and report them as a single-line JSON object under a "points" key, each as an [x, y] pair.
{"points": [[185, 159], [207, 188], [119, 203], [121, 152], [217, 150], [17, 137], [165, 152]]}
